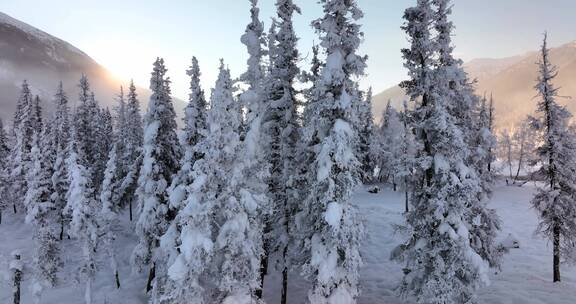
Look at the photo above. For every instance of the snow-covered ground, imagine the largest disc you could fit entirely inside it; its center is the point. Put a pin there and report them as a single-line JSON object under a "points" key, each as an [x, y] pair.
{"points": [[15, 235], [526, 277]]}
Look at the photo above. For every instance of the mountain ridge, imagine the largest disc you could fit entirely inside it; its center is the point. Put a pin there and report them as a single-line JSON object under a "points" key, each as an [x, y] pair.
{"points": [[28, 53], [6, 19], [511, 80]]}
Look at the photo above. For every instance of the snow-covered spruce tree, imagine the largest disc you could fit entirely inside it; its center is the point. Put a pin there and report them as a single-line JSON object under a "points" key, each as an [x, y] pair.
{"points": [[255, 131], [464, 104], [366, 134], [37, 189], [521, 153], [83, 208], [135, 135], [42, 214], [103, 132], [238, 244], [328, 221], [306, 155], [23, 131], [405, 165], [4, 171], [462, 98], [161, 156], [505, 150], [189, 240], [195, 112], [310, 76], [491, 128], [120, 130], [390, 140], [114, 174], [309, 108], [4, 145], [555, 201], [255, 42], [120, 111], [213, 262], [127, 191], [182, 288], [85, 124], [281, 123], [133, 150], [193, 133], [483, 222], [61, 142], [484, 143], [37, 115], [110, 205], [93, 127], [440, 264]]}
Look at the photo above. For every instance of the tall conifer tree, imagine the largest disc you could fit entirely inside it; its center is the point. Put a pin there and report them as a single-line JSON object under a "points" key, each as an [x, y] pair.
{"points": [[82, 207], [464, 105], [331, 225], [4, 170], [193, 133], [283, 132], [133, 150], [555, 200], [184, 284], [42, 213], [161, 160], [85, 116], [366, 149], [61, 136], [440, 264], [23, 131]]}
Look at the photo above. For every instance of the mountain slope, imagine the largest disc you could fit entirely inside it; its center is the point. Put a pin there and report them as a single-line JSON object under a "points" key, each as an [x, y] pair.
{"points": [[511, 81], [43, 60]]}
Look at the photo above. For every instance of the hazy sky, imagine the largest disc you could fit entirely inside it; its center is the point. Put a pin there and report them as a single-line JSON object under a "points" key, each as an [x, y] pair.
{"points": [[127, 35]]}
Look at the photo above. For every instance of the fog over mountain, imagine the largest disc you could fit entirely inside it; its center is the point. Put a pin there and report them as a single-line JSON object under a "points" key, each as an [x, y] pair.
{"points": [[511, 80], [43, 60]]}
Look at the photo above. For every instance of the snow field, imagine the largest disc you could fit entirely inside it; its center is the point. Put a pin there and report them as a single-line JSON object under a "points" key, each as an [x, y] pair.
{"points": [[525, 278]]}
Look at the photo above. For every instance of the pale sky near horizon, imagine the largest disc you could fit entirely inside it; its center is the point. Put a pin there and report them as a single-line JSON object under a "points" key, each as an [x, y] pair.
{"points": [[127, 35]]}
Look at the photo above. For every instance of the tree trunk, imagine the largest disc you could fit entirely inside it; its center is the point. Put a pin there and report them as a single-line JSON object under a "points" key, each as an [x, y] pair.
{"points": [[263, 270], [130, 209], [117, 277], [490, 161], [520, 161], [406, 208], [17, 282], [509, 154], [61, 227], [264, 259], [14, 208], [406, 202], [284, 298], [151, 276], [0, 217], [556, 241], [518, 171]]}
